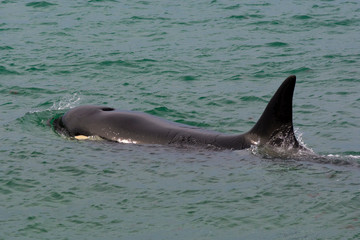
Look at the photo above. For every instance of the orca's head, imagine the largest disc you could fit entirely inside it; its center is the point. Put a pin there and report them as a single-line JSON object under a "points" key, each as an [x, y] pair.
{"points": [[83, 120]]}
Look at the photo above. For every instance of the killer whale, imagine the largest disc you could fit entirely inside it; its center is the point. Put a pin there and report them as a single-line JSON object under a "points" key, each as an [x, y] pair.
{"points": [[274, 127]]}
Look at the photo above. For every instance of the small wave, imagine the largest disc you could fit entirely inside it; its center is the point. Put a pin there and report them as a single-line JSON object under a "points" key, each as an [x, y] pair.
{"points": [[160, 111], [5, 71], [277, 44], [44, 117], [232, 7], [40, 4], [302, 17], [118, 63], [299, 70], [240, 17], [188, 78], [102, 1], [6, 48], [252, 99], [355, 157]]}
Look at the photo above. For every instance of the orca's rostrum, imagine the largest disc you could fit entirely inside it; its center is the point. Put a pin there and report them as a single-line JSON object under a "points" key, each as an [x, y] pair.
{"points": [[274, 128]]}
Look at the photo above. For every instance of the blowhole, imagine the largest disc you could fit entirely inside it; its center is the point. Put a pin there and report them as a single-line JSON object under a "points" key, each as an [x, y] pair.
{"points": [[108, 109]]}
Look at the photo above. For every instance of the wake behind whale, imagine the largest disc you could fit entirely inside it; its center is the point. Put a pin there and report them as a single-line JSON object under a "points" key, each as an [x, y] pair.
{"points": [[274, 127]]}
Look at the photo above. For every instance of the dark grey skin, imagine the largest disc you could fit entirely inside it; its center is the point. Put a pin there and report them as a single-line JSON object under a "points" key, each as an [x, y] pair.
{"points": [[275, 126]]}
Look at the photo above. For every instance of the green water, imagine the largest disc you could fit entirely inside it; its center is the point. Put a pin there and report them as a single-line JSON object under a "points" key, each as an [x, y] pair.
{"points": [[212, 64]]}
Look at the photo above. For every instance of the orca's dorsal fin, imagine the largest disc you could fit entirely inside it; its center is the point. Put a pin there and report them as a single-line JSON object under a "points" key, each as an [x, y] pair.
{"points": [[275, 125]]}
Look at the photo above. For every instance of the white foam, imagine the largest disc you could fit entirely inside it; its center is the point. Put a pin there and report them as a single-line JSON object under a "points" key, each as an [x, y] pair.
{"points": [[126, 141], [66, 102], [342, 156]]}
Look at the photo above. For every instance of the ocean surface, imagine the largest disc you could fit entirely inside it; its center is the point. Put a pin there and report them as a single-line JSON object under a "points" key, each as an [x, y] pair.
{"points": [[213, 64]]}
